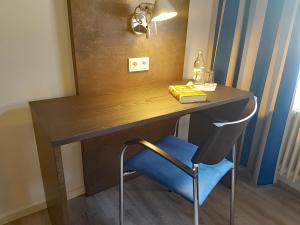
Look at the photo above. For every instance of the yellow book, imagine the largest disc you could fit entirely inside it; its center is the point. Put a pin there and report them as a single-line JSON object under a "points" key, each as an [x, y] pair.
{"points": [[187, 93]]}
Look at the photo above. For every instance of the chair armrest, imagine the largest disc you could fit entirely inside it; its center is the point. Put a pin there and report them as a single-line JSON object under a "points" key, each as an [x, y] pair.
{"points": [[248, 117], [163, 154]]}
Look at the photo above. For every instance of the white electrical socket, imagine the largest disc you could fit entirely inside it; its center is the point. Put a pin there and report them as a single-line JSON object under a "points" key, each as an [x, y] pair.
{"points": [[138, 64]]}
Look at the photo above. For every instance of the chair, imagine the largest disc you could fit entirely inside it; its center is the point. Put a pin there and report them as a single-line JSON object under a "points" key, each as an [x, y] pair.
{"points": [[188, 170]]}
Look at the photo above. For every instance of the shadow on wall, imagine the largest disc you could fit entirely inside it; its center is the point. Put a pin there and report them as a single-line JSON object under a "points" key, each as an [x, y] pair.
{"points": [[35, 64], [21, 186], [18, 162]]}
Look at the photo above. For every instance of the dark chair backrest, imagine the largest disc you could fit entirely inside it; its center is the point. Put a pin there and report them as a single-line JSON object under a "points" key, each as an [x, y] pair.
{"points": [[225, 135]]}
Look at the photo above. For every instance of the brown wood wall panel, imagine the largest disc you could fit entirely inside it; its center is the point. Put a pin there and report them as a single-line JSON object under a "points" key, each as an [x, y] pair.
{"points": [[102, 43]]}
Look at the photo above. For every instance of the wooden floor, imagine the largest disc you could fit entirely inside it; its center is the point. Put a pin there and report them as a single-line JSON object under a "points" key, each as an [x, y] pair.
{"points": [[148, 204]]}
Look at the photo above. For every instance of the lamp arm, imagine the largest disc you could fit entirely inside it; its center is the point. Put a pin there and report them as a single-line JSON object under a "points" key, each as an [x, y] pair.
{"points": [[147, 9]]}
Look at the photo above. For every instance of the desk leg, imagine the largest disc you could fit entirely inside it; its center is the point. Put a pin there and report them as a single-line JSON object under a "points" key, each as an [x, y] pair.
{"points": [[53, 179]]}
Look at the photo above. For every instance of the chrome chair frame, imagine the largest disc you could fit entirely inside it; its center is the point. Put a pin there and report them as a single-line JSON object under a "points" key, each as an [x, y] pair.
{"points": [[195, 188], [193, 172]]}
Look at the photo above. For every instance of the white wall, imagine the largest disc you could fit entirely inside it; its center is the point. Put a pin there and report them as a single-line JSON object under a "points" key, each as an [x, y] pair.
{"points": [[200, 25], [198, 34], [35, 63]]}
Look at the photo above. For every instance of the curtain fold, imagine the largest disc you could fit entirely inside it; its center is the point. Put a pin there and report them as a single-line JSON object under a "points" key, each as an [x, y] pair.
{"points": [[289, 164], [258, 50]]}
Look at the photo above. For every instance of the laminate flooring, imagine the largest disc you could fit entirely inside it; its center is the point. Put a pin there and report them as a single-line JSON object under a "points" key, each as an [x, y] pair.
{"points": [[147, 203]]}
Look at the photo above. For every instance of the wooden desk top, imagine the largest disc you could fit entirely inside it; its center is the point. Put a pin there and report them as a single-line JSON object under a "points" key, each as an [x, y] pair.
{"points": [[69, 119]]}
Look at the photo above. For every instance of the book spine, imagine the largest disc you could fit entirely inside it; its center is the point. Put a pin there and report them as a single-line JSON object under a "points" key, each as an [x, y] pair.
{"points": [[174, 92]]}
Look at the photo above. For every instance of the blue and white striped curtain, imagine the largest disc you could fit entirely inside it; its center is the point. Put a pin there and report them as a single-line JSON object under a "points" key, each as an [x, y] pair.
{"points": [[258, 49]]}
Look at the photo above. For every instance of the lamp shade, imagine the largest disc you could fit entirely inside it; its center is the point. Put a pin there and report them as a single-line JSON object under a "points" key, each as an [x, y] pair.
{"points": [[163, 10]]}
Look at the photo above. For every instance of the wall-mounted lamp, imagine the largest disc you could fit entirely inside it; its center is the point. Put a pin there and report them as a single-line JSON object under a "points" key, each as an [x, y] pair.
{"points": [[145, 13]]}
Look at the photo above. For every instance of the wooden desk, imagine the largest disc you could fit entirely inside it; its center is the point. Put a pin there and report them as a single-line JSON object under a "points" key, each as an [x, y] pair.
{"points": [[65, 120]]}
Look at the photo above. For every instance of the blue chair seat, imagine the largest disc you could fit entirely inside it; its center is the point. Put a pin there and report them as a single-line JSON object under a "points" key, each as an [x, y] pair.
{"points": [[165, 173]]}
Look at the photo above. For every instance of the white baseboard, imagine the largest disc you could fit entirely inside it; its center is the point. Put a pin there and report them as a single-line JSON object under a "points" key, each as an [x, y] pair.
{"points": [[22, 212], [292, 185], [36, 207], [75, 192]]}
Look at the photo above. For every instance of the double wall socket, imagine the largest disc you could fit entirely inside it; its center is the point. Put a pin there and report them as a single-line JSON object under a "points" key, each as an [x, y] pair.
{"points": [[138, 64]]}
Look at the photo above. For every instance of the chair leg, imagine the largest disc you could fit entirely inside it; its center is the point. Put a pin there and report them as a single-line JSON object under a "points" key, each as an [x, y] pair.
{"points": [[121, 197], [196, 196], [233, 181]]}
